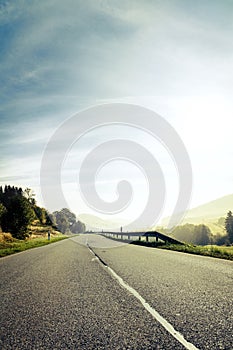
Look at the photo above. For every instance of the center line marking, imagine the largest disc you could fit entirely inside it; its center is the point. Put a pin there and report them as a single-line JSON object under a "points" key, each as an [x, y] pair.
{"points": [[178, 336]]}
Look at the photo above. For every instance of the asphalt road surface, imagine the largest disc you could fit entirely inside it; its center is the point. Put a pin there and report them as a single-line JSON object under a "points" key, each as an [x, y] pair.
{"points": [[62, 296]]}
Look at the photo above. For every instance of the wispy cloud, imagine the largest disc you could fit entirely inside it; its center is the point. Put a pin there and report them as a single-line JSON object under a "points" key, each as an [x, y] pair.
{"points": [[58, 57]]}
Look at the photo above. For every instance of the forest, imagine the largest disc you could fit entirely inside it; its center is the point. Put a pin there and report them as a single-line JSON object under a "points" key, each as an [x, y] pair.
{"points": [[18, 210], [201, 234]]}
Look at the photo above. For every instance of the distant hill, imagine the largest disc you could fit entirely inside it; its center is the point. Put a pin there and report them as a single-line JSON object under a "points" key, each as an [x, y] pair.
{"points": [[95, 223], [208, 213], [212, 210]]}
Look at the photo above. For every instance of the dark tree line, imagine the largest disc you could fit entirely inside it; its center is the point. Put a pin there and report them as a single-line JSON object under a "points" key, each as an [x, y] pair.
{"points": [[18, 209]]}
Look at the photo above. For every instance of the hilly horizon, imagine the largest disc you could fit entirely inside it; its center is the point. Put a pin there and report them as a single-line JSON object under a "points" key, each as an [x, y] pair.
{"points": [[207, 213], [213, 209], [94, 222]]}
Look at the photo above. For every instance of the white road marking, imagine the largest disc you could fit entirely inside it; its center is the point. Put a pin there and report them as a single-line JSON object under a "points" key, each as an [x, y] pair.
{"points": [[178, 336]]}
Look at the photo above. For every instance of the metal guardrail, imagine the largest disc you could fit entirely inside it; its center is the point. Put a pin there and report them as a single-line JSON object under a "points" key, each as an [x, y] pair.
{"points": [[130, 236]]}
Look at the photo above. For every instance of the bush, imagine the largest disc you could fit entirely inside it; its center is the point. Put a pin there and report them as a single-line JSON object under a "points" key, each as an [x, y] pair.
{"points": [[6, 237]]}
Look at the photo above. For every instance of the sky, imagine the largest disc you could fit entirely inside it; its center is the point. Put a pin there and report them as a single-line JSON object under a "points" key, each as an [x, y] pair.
{"points": [[175, 57]]}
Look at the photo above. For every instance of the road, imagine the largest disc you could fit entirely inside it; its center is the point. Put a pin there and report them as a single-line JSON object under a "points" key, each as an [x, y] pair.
{"points": [[61, 296]]}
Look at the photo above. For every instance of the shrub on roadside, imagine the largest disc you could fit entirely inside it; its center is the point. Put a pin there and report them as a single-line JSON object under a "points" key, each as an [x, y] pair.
{"points": [[6, 237]]}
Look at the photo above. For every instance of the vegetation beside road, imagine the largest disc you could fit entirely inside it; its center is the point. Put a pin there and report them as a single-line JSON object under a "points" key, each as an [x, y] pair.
{"points": [[221, 252], [19, 211], [212, 251], [10, 245], [201, 234], [25, 225]]}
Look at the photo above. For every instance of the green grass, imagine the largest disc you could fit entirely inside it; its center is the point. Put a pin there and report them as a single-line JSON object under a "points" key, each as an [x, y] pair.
{"points": [[7, 248], [212, 251], [221, 252]]}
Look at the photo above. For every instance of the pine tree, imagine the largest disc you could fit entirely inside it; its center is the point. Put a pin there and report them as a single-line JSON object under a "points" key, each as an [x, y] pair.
{"points": [[229, 226], [19, 215], [2, 213]]}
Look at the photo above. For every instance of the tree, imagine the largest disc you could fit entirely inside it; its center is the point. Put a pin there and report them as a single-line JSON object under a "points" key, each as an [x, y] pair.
{"points": [[196, 234], [65, 221], [69, 216], [221, 221], [2, 213], [78, 227], [184, 232], [229, 226], [50, 219], [19, 215], [29, 194], [219, 239], [8, 193], [62, 222], [40, 213], [202, 235]]}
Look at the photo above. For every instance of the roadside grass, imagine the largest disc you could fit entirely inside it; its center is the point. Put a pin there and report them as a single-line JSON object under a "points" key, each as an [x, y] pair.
{"points": [[11, 245], [221, 252]]}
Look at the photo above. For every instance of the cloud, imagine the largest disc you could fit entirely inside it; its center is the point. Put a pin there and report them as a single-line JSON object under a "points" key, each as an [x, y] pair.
{"points": [[58, 49], [98, 49], [60, 57]]}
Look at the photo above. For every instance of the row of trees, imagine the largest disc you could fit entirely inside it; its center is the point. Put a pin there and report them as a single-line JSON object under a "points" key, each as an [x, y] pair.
{"points": [[196, 234], [201, 234], [18, 209]]}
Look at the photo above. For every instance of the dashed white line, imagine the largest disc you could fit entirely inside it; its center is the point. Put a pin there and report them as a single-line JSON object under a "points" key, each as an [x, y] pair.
{"points": [[177, 335]]}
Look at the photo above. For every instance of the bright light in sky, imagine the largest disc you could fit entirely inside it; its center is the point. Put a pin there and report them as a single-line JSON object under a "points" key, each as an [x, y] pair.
{"points": [[111, 173], [174, 57]]}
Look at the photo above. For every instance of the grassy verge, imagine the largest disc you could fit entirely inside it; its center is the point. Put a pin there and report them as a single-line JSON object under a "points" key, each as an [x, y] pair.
{"points": [[7, 248], [221, 252], [213, 251]]}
